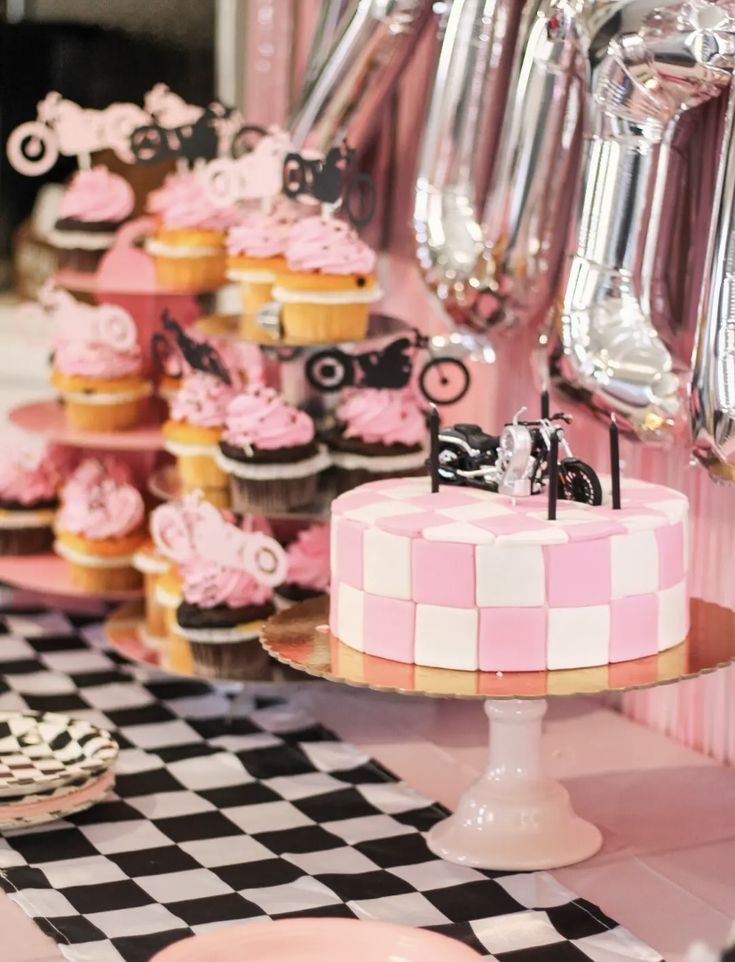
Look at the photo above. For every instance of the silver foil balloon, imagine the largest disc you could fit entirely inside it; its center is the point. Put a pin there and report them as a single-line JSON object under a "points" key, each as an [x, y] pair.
{"points": [[532, 188], [713, 376], [326, 27], [648, 64], [463, 116], [374, 40]]}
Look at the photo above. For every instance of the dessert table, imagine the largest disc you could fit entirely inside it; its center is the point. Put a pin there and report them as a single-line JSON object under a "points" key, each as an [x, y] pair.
{"points": [[666, 870]]}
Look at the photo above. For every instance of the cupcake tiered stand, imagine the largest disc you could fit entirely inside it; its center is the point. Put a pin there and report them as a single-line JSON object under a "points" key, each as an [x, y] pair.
{"points": [[514, 817]]}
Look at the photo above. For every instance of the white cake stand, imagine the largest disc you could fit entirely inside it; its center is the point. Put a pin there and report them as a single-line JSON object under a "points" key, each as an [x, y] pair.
{"points": [[514, 817]]}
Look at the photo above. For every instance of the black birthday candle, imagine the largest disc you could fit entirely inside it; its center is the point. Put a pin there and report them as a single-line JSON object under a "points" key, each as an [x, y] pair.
{"points": [[553, 474], [615, 462], [434, 452], [545, 404]]}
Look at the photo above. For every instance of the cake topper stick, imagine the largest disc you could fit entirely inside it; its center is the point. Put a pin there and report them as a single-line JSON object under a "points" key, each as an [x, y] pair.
{"points": [[434, 452], [545, 409], [553, 474], [615, 462]]}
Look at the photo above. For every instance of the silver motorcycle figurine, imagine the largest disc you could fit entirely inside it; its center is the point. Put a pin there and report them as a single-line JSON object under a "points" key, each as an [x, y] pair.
{"points": [[517, 462]]}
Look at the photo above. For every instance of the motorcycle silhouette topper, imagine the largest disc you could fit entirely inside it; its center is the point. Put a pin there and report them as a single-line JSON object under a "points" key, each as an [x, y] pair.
{"points": [[442, 379], [199, 355], [332, 180]]}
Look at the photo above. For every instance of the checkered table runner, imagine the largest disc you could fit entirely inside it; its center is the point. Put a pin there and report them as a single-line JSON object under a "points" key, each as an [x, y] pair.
{"points": [[221, 820]]}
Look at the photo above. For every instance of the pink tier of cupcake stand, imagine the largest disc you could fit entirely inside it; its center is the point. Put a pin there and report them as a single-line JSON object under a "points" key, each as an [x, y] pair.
{"points": [[514, 818]]}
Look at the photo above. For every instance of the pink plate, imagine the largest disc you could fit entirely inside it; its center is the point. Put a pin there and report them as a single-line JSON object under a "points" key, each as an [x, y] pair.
{"points": [[48, 574], [47, 418], [318, 940]]}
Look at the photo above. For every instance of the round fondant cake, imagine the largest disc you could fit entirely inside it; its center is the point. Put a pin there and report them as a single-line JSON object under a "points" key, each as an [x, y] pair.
{"points": [[473, 580]]}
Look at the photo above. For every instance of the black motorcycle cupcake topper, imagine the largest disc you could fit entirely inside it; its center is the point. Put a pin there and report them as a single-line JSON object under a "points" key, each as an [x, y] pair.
{"points": [[521, 461], [332, 180], [180, 130], [199, 355], [443, 379], [434, 449]]}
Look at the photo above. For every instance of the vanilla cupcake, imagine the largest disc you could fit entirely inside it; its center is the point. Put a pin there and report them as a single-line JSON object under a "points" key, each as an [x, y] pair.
{"points": [[308, 570], [188, 246], [152, 565], [379, 434], [256, 255], [93, 206], [270, 452], [29, 482], [326, 292], [193, 431], [100, 526], [96, 365]]}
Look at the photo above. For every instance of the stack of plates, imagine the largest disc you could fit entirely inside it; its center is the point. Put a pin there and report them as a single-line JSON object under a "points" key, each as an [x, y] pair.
{"points": [[51, 767]]}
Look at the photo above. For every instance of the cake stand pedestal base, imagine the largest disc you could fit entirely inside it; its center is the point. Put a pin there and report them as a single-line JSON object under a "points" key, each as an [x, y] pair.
{"points": [[515, 818]]}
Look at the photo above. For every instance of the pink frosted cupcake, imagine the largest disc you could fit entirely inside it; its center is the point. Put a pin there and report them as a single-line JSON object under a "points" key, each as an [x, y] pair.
{"points": [[269, 450], [308, 571], [94, 205], [379, 434], [188, 247], [227, 589], [326, 292], [193, 430], [29, 482], [256, 250], [97, 365], [100, 526]]}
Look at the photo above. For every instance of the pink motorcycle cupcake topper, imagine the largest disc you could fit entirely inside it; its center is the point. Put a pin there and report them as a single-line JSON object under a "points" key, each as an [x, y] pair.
{"points": [[74, 321], [217, 540], [257, 175]]}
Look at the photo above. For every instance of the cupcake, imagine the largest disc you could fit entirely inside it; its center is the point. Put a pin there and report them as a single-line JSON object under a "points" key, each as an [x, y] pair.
{"points": [[176, 653], [224, 602], [100, 526], [29, 481], [379, 434], [307, 560], [270, 452], [188, 247], [93, 206], [326, 292], [193, 430], [97, 365], [151, 564], [256, 256]]}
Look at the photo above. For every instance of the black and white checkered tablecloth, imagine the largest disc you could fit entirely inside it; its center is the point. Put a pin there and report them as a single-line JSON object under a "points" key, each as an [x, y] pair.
{"points": [[216, 822]]}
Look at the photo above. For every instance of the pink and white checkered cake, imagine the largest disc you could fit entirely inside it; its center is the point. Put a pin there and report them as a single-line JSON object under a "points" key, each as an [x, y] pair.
{"points": [[467, 579]]}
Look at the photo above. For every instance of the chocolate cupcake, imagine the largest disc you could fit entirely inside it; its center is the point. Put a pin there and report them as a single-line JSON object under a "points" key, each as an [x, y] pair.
{"points": [[379, 434], [94, 205], [29, 479], [270, 452]]}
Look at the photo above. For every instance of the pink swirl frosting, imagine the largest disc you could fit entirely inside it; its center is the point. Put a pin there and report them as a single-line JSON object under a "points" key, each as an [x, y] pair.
{"points": [[98, 506], [28, 473], [259, 417], [182, 201], [202, 400], [383, 417], [329, 246], [264, 234], [208, 584], [308, 558], [97, 196]]}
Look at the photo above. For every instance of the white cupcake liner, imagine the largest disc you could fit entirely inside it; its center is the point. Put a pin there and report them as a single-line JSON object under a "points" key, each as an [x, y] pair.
{"points": [[367, 295], [221, 636], [108, 397], [160, 249], [26, 519], [378, 464], [91, 561]]}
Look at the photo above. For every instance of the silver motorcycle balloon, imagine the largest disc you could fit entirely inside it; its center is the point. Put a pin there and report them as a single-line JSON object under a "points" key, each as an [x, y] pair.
{"points": [[459, 140], [649, 64], [374, 40]]}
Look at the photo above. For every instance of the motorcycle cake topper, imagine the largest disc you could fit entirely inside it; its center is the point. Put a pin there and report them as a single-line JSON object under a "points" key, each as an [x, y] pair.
{"points": [[254, 172], [199, 355], [442, 379], [332, 180], [523, 460], [165, 127], [64, 128], [188, 133]]}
